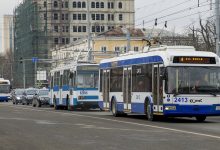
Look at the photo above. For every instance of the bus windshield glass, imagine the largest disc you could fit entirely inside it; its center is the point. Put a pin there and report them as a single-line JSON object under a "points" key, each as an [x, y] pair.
{"points": [[87, 79], [193, 80], [4, 88]]}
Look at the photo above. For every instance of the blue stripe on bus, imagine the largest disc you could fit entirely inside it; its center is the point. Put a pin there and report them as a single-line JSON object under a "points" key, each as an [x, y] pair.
{"points": [[134, 61], [74, 101], [91, 97], [137, 107], [65, 88]]}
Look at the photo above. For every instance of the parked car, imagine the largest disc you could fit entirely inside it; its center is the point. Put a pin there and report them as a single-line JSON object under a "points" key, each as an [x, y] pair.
{"points": [[16, 95], [28, 95], [40, 98]]}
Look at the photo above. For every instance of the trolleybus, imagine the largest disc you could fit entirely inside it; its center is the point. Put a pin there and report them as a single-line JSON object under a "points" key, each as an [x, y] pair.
{"points": [[75, 85], [5, 90], [168, 80]]}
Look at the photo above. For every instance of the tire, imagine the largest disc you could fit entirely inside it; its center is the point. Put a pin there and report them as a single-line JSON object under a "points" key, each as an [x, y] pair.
{"points": [[55, 104], [148, 111], [38, 103], [114, 109], [200, 118]]}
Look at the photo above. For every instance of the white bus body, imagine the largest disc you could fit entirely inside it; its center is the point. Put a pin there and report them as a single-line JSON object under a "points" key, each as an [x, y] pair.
{"points": [[160, 81], [4, 90], [75, 85]]}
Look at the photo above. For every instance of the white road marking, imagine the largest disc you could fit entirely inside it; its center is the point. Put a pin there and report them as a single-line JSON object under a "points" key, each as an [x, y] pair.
{"points": [[125, 122]]}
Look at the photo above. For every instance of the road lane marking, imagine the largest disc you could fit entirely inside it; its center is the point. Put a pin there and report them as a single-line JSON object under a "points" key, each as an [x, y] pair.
{"points": [[125, 122]]}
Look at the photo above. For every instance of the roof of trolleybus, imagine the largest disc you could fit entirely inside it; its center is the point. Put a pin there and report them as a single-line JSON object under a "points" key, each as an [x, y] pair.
{"points": [[73, 66], [165, 55]]}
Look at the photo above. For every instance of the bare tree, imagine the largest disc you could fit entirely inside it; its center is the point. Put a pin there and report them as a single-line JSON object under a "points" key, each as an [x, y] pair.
{"points": [[204, 35]]}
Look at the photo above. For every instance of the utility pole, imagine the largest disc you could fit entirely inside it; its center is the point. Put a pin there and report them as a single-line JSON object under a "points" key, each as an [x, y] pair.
{"points": [[217, 24], [128, 35], [24, 83], [35, 77], [88, 31]]}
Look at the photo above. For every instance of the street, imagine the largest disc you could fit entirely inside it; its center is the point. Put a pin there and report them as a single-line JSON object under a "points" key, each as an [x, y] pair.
{"points": [[25, 128]]}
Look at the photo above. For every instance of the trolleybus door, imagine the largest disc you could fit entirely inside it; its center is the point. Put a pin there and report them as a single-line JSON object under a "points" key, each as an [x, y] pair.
{"points": [[157, 88], [61, 89], [105, 87], [127, 88]]}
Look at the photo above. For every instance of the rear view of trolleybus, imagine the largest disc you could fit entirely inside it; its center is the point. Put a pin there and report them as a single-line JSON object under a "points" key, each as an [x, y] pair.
{"points": [[4, 90], [168, 80], [75, 86]]}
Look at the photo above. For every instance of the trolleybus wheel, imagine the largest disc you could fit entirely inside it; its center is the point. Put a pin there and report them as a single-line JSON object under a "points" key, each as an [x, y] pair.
{"points": [[114, 109], [149, 112], [55, 104], [200, 118]]}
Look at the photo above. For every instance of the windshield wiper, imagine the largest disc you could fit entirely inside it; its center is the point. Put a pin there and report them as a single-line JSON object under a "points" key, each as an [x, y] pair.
{"points": [[212, 93]]}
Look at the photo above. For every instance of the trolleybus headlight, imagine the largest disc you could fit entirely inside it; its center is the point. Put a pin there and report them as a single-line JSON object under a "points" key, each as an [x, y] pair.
{"points": [[170, 107], [217, 108]]}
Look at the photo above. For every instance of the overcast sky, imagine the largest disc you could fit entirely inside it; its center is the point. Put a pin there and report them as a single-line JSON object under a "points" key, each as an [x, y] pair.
{"points": [[177, 13]]}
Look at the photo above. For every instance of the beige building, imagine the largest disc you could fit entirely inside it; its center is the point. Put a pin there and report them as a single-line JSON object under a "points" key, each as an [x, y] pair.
{"points": [[106, 45], [7, 34]]}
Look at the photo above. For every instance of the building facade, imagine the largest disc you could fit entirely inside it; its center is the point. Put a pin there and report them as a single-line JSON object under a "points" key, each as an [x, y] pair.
{"points": [[7, 34], [44, 24], [106, 45]]}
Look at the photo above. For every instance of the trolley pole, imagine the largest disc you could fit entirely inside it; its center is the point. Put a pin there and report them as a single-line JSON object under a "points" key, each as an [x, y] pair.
{"points": [[35, 77], [217, 24]]}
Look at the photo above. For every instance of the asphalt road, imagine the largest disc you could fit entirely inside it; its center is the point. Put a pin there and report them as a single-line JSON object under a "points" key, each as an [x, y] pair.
{"points": [[28, 128]]}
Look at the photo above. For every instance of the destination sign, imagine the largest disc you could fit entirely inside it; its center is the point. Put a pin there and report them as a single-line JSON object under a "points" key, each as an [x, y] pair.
{"points": [[194, 60]]}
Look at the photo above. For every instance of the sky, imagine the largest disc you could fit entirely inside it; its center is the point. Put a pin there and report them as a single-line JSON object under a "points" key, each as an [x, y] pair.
{"points": [[178, 13]]}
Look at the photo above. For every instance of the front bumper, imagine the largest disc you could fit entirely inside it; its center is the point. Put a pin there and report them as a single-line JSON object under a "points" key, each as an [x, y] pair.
{"points": [[192, 110]]}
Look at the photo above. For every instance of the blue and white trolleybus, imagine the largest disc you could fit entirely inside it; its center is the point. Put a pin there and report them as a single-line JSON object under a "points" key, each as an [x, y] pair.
{"points": [[168, 80]]}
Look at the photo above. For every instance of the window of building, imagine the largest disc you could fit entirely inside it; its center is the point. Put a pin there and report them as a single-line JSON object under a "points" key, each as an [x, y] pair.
{"points": [[74, 4], [56, 40], [110, 17], [98, 29], [93, 5], [120, 5], [55, 4], [67, 28], [93, 28], [55, 16], [102, 17], [63, 40], [74, 39], [136, 49], [102, 5], [63, 29], [74, 28], [97, 16], [79, 4], [83, 16], [117, 49], [79, 29], [74, 17], [102, 28], [56, 29], [124, 48], [45, 16], [63, 17], [84, 28], [97, 4], [67, 16], [83, 4], [93, 16], [120, 17], [66, 4], [110, 5], [67, 40], [79, 16], [45, 4], [104, 49]]}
